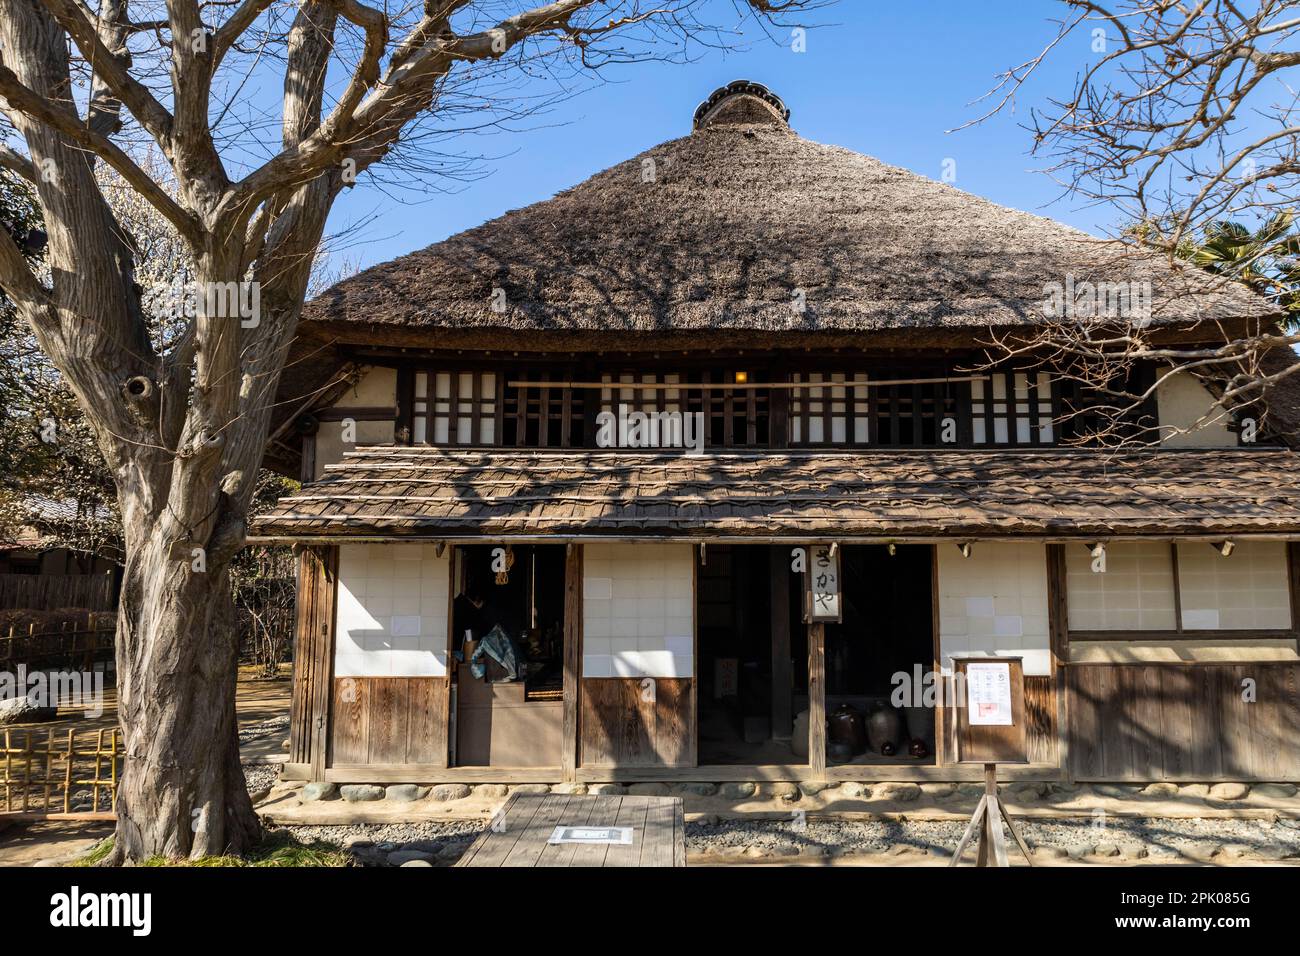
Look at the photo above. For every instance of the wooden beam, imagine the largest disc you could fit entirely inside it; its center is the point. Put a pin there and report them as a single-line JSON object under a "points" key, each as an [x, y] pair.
{"points": [[745, 386], [817, 700], [572, 659], [429, 773], [723, 773], [1178, 587], [404, 421], [782, 665]]}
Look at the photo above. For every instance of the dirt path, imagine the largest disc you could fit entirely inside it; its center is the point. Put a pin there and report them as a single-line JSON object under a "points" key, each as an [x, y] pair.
{"points": [[49, 844], [256, 701]]}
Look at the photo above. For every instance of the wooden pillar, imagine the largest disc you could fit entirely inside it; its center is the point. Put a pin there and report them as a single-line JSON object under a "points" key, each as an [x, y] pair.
{"points": [[404, 421], [572, 660], [1057, 610], [941, 712], [1058, 629], [313, 657], [817, 700], [1293, 575], [307, 465], [778, 418], [782, 665]]}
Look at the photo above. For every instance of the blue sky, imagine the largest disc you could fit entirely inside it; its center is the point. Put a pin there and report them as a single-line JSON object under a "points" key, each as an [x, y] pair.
{"points": [[882, 78]]}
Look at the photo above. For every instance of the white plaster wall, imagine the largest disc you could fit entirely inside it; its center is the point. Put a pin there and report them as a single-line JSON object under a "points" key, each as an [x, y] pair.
{"points": [[994, 603], [377, 388], [1248, 590], [1182, 402], [392, 611], [638, 610], [1134, 593]]}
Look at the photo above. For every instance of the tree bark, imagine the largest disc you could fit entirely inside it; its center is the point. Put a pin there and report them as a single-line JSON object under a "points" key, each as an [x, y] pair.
{"points": [[183, 792]]}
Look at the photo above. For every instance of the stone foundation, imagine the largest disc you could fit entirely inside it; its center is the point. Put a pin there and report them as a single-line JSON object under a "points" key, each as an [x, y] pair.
{"points": [[769, 799]]}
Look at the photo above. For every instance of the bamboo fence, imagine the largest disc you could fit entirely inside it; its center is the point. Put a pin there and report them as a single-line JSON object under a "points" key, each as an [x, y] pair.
{"points": [[71, 772]]}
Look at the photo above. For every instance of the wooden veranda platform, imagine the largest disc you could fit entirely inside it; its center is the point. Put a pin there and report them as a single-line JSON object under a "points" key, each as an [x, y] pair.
{"points": [[522, 831]]}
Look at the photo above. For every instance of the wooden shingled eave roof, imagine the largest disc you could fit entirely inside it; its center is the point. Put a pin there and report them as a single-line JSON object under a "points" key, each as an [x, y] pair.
{"points": [[428, 492]]}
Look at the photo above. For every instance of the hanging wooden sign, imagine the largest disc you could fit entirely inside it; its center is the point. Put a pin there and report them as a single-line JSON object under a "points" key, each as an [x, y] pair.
{"points": [[822, 600]]}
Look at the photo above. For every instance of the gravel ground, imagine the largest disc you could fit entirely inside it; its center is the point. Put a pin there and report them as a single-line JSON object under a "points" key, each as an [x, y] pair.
{"points": [[1158, 836], [261, 776], [1130, 838], [278, 726], [443, 842]]}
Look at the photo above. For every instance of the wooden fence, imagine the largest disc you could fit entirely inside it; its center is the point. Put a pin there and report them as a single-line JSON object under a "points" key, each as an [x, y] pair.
{"points": [[95, 592], [72, 772], [74, 645]]}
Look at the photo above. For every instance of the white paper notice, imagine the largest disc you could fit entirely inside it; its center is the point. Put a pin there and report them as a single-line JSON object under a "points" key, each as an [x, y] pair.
{"points": [[988, 694]]}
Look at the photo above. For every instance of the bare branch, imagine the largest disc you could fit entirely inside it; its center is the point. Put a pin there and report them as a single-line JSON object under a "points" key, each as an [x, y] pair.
{"points": [[15, 162], [57, 117], [111, 67]]}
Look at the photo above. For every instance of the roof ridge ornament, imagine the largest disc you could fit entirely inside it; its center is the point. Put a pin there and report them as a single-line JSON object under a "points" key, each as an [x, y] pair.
{"points": [[722, 106]]}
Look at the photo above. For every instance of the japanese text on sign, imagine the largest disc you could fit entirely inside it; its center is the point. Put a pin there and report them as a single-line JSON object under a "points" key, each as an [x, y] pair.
{"points": [[824, 584], [988, 694]]}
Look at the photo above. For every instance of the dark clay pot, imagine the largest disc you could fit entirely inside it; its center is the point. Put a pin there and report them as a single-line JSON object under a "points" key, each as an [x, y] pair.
{"points": [[846, 726]]}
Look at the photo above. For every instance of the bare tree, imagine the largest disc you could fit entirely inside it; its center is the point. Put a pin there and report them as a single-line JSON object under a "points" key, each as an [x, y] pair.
{"points": [[183, 427], [1185, 121]]}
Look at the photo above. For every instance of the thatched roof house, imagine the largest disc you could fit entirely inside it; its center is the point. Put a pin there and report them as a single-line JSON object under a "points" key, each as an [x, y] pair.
{"points": [[494, 449]]}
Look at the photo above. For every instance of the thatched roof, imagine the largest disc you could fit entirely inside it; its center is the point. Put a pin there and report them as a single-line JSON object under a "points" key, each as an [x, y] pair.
{"points": [[394, 491], [723, 229]]}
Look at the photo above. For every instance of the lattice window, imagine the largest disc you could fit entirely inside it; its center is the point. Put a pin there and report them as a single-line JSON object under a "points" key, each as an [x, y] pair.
{"points": [[538, 415], [737, 416], [860, 412], [455, 408], [831, 414], [1012, 408], [917, 414]]}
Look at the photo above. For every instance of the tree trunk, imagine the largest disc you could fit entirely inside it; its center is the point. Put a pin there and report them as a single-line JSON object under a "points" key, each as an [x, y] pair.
{"points": [[183, 792]]}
